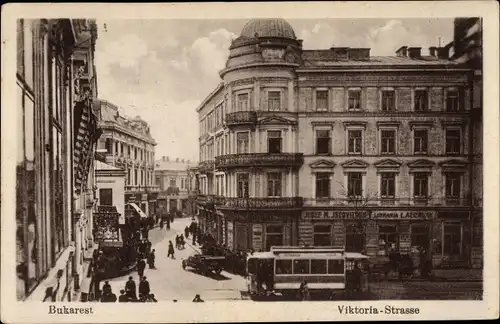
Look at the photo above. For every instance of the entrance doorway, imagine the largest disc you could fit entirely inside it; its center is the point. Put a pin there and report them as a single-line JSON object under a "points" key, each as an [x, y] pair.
{"points": [[354, 238], [452, 241]]}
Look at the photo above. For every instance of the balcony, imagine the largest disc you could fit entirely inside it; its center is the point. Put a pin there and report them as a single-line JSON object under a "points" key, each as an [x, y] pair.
{"points": [[206, 166], [241, 118], [387, 202], [211, 199], [294, 160], [142, 189], [262, 203]]}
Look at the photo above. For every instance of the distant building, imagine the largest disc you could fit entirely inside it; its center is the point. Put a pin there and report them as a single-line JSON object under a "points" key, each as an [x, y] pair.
{"points": [[110, 182], [130, 146], [173, 181], [338, 147]]}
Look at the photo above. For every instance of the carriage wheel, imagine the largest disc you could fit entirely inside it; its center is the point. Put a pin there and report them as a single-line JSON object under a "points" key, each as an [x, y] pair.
{"points": [[218, 271]]}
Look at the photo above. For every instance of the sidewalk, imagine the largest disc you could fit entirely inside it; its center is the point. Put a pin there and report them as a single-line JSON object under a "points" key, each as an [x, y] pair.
{"points": [[450, 275]]}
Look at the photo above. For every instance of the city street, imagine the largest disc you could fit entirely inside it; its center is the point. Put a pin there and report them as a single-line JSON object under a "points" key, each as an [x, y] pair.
{"points": [[170, 282]]}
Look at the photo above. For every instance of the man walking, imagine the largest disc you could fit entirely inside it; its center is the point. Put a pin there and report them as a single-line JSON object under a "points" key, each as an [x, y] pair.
{"points": [[130, 289], [170, 250], [151, 259], [141, 265], [144, 289]]}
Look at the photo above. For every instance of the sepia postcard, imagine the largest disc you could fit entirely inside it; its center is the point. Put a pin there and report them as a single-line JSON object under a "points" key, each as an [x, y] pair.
{"points": [[235, 162]]}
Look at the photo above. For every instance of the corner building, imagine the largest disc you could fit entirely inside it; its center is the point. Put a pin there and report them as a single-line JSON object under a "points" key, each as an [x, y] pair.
{"points": [[337, 147]]}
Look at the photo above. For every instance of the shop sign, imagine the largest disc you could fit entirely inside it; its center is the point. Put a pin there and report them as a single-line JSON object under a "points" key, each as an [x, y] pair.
{"points": [[408, 215], [144, 197], [111, 244], [230, 235], [257, 236], [337, 215]]}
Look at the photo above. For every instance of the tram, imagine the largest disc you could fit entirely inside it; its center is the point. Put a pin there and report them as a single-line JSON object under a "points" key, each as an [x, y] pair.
{"points": [[283, 269]]}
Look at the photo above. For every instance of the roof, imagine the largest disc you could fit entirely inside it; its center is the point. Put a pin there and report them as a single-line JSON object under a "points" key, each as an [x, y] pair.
{"points": [[101, 166], [325, 58], [161, 165], [274, 27]]}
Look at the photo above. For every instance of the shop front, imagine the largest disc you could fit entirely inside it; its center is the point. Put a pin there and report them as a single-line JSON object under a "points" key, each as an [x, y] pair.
{"points": [[444, 236], [140, 199], [259, 230], [153, 205]]}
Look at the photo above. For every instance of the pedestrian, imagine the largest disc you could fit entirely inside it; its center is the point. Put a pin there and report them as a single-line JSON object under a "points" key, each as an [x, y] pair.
{"points": [[304, 291], [152, 299], [123, 297], [357, 276], [108, 297], [106, 288], [177, 241], [141, 265], [186, 232], [151, 259], [168, 224], [130, 289], [170, 250], [197, 299], [144, 288], [181, 241], [161, 223], [148, 246]]}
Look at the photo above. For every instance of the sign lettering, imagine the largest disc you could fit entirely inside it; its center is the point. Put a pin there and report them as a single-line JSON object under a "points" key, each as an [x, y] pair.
{"points": [[403, 215], [337, 215]]}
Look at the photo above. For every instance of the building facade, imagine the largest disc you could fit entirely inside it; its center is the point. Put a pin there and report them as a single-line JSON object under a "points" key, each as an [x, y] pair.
{"points": [[129, 146], [57, 132], [336, 147], [110, 182], [172, 179]]}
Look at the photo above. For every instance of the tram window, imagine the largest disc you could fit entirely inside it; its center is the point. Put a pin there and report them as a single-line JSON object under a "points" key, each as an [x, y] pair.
{"points": [[300, 266], [283, 266], [335, 266], [252, 266], [318, 266]]}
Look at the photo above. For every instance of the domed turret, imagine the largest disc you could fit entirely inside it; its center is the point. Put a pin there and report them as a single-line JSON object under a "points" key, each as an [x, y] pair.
{"points": [[274, 27]]}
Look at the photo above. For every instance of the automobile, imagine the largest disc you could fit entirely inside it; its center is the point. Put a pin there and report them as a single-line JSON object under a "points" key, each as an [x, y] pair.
{"points": [[205, 263]]}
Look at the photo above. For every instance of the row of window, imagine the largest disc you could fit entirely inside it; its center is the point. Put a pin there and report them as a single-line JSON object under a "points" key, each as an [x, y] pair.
{"points": [[388, 139], [323, 185], [454, 100], [123, 149], [136, 177], [213, 119], [387, 189]]}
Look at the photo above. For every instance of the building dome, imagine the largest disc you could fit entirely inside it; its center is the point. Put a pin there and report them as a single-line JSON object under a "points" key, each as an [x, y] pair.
{"points": [[274, 27]]}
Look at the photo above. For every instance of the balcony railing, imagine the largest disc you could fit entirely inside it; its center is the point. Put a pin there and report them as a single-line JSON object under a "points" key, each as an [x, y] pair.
{"points": [[215, 199], [206, 166], [262, 203], [241, 118], [142, 188], [259, 160], [365, 202]]}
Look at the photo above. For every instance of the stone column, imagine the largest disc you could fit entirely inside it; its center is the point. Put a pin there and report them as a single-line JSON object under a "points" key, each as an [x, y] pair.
{"points": [[289, 187], [256, 95]]}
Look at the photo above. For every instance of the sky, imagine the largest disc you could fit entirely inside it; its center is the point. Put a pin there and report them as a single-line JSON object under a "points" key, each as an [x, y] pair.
{"points": [[162, 70]]}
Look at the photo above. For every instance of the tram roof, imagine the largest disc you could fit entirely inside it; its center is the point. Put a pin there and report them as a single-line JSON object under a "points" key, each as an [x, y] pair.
{"points": [[309, 249]]}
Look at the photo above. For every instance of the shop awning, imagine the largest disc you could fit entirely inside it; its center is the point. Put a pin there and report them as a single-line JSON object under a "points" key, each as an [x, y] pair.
{"points": [[138, 210]]}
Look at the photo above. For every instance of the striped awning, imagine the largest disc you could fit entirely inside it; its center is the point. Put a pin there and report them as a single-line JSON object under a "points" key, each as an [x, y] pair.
{"points": [[85, 136]]}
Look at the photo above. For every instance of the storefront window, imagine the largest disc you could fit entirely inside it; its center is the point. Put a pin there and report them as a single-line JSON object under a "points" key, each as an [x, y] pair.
{"points": [[419, 236], [283, 266], [388, 239], [322, 235], [354, 238], [274, 236], [300, 266], [452, 239], [318, 266]]}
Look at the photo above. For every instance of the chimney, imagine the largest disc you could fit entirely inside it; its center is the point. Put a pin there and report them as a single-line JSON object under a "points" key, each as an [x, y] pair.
{"points": [[359, 53], [414, 52], [402, 51], [433, 51], [443, 53]]}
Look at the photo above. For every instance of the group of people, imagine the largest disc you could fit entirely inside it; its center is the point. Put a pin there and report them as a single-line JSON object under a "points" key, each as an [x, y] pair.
{"points": [[129, 293]]}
